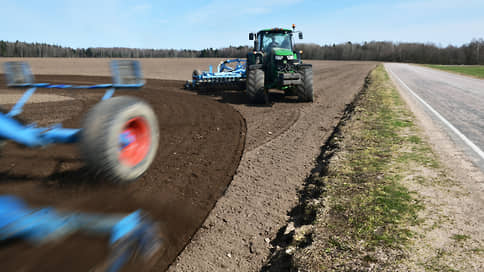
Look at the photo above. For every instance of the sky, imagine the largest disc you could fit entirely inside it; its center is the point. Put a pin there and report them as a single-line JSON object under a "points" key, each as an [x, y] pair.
{"points": [[201, 24]]}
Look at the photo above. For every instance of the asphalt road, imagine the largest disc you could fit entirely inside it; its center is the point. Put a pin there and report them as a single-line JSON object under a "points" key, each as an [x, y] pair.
{"points": [[455, 102]]}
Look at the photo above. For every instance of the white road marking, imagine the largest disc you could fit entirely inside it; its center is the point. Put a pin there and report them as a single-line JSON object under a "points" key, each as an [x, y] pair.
{"points": [[466, 140]]}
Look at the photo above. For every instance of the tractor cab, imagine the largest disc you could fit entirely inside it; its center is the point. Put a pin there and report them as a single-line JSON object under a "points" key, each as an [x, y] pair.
{"points": [[274, 38], [273, 44], [267, 39]]}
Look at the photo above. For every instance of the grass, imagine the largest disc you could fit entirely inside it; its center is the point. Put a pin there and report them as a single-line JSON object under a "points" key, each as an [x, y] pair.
{"points": [[470, 70], [435, 264], [460, 237], [367, 209], [378, 207]]}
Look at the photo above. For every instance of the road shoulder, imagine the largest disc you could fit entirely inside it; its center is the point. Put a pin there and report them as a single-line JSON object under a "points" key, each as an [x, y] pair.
{"points": [[382, 199], [451, 155], [460, 203]]}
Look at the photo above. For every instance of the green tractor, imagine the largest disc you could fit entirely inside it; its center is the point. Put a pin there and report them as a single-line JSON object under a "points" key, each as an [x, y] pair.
{"points": [[275, 64]]}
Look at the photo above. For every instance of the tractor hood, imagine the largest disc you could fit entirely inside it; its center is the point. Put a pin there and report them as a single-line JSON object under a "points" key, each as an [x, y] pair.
{"points": [[282, 52]]}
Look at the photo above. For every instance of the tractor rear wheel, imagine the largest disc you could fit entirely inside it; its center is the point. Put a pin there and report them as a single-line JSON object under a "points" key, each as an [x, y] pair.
{"points": [[119, 138], [305, 90], [255, 87]]}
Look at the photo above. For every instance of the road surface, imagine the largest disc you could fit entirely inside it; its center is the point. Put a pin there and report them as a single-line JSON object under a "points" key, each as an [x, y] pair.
{"points": [[456, 102]]}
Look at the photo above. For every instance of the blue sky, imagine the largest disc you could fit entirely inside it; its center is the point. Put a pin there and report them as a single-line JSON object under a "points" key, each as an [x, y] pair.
{"points": [[219, 23]]}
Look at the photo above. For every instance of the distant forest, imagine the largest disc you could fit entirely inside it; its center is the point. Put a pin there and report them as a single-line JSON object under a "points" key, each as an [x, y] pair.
{"points": [[468, 54]]}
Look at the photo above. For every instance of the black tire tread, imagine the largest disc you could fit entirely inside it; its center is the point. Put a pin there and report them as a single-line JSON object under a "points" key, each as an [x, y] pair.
{"points": [[255, 86], [305, 91]]}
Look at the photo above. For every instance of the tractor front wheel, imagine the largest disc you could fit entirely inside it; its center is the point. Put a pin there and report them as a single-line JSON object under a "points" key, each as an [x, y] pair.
{"points": [[119, 138], [255, 87], [305, 90]]}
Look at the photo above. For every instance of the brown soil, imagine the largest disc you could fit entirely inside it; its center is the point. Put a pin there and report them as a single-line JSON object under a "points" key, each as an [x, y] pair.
{"points": [[187, 177], [282, 142], [236, 235]]}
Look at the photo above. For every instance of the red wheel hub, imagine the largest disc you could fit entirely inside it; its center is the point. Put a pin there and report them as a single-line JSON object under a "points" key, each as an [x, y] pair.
{"points": [[135, 141]]}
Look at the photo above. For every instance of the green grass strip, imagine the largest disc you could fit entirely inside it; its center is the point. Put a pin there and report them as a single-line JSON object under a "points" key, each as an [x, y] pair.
{"points": [[470, 70]]}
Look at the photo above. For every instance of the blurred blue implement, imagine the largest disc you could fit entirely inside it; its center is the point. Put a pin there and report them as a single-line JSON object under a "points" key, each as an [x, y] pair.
{"points": [[129, 120], [125, 74], [129, 234]]}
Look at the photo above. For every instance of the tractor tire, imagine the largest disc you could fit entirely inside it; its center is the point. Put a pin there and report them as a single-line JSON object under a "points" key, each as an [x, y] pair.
{"points": [[305, 90], [255, 87], [119, 138]]}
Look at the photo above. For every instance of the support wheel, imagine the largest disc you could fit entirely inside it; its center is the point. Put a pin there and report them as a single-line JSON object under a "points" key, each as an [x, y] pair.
{"points": [[255, 87], [305, 90], [119, 138]]}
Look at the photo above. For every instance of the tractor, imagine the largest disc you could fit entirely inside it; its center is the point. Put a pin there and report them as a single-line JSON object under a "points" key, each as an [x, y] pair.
{"points": [[275, 64]]}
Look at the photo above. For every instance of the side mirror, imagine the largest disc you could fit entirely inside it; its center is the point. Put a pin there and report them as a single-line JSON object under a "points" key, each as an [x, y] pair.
{"points": [[251, 36], [300, 35]]}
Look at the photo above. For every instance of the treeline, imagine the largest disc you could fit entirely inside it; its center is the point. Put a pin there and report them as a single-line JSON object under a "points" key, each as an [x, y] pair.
{"points": [[470, 53], [25, 50]]}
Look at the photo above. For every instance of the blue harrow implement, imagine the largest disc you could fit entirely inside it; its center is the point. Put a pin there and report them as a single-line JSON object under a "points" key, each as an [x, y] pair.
{"points": [[118, 139], [129, 234], [119, 136], [231, 74]]}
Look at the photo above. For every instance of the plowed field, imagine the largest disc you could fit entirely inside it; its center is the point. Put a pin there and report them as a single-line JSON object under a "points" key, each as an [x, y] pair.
{"points": [[201, 142], [208, 141]]}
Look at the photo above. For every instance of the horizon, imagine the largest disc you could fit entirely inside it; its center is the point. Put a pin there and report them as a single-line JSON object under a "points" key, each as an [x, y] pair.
{"points": [[195, 25], [237, 46]]}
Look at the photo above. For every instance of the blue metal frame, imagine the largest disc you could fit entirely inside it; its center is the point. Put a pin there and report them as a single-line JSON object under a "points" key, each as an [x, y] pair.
{"points": [[128, 233], [18, 74], [225, 75]]}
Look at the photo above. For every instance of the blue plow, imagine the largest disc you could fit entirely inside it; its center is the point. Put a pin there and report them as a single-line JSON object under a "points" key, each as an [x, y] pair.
{"points": [[129, 234], [125, 74], [231, 74]]}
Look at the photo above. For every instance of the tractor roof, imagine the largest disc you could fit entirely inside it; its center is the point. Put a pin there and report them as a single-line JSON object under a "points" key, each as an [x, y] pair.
{"points": [[276, 29]]}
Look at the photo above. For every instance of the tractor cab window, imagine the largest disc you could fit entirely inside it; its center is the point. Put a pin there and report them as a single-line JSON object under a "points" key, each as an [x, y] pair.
{"points": [[275, 40]]}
